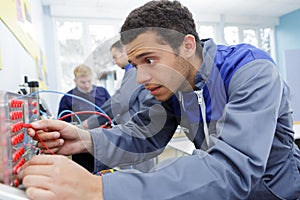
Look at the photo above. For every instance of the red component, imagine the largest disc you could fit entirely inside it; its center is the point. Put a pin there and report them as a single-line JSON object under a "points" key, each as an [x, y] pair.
{"points": [[17, 166], [20, 137], [34, 103], [22, 162], [16, 182], [14, 103], [12, 116], [16, 115], [18, 154], [16, 127], [26, 125], [15, 169], [13, 128], [13, 140], [19, 103], [34, 111]]}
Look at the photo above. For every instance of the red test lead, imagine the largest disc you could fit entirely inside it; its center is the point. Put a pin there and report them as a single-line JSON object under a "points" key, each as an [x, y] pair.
{"points": [[27, 125]]}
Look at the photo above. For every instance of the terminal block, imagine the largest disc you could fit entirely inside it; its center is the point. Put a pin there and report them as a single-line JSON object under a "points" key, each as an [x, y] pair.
{"points": [[16, 146]]}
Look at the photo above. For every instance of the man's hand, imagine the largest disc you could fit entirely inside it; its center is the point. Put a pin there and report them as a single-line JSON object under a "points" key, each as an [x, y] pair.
{"points": [[60, 137], [57, 177], [85, 124]]}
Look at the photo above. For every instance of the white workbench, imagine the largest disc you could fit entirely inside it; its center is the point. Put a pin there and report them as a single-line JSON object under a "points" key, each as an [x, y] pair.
{"points": [[182, 145], [11, 193], [297, 131]]}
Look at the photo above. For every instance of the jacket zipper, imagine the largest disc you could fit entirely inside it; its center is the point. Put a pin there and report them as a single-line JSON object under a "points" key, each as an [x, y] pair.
{"points": [[201, 102]]}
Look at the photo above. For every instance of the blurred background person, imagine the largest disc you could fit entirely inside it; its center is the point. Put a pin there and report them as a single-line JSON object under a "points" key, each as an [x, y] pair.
{"points": [[128, 100], [84, 88]]}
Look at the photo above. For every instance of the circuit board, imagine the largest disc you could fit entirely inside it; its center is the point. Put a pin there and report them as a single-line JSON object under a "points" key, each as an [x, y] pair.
{"points": [[16, 146]]}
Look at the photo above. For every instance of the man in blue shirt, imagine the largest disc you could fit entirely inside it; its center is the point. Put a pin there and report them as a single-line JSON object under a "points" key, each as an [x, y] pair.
{"points": [[83, 79]]}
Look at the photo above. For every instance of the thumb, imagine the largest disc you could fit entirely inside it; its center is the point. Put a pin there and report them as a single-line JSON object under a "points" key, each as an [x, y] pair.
{"points": [[48, 124]]}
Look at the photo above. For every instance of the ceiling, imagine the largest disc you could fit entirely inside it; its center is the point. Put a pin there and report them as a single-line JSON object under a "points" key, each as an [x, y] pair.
{"points": [[121, 8]]}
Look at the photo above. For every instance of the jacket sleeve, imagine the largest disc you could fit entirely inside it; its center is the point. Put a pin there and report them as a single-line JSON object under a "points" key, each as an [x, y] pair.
{"points": [[143, 137], [119, 103], [229, 169]]}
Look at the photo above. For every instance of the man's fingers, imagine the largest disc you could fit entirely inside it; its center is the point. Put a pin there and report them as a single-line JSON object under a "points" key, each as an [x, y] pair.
{"points": [[48, 135], [41, 170], [50, 144], [39, 160], [31, 132], [39, 193], [40, 164], [49, 124]]}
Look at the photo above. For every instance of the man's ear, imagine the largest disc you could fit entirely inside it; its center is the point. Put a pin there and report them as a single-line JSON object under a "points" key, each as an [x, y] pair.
{"points": [[189, 45]]}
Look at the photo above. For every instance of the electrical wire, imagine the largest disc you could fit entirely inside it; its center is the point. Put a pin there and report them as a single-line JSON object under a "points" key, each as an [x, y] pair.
{"points": [[39, 138], [71, 95], [61, 118], [69, 111], [101, 113], [74, 96], [87, 112]]}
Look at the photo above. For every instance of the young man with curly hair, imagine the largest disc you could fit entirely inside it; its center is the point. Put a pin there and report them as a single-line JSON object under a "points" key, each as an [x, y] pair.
{"points": [[231, 98]]}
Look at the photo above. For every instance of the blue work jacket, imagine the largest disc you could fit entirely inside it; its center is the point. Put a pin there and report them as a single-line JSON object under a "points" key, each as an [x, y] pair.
{"points": [[240, 120]]}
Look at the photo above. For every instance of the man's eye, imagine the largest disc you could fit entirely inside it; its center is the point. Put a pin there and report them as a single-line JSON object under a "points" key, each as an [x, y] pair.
{"points": [[149, 61]]}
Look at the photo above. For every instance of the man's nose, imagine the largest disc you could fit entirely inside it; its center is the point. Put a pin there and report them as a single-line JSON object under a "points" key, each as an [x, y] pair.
{"points": [[143, 76], [86, 85]]}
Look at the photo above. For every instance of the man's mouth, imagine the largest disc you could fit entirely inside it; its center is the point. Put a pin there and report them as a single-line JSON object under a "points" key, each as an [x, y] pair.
{"points": [[154, 90]]}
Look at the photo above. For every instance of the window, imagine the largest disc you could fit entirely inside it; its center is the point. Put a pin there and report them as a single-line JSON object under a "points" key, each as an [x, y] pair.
{"points": [[265, 39], [259, 37], [250, 36], [231, 35], [99, 33], [79, 41], [206, 32], [71, 50]]}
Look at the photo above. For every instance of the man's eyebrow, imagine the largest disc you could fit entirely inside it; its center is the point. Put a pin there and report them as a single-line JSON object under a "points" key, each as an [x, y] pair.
{"points": [[143, 54], [139, 56]]}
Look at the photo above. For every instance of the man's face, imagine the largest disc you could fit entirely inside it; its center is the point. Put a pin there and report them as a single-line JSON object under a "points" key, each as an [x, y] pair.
{"points": [[84, 83], [158, 67], [120, 57]]}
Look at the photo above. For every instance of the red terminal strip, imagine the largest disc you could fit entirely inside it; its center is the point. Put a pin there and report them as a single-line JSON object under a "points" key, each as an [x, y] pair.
{"points": [[14, 103], [16, 127], [17, 166], [16, 115], [18, 154], [17, 138]]}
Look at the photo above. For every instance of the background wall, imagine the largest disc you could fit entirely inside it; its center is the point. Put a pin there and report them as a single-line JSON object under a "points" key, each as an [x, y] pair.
{"points": [[19, 39], [16, 61], [288, 54]]}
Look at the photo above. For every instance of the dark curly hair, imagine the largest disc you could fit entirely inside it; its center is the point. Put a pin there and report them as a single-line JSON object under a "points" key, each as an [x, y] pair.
{"points": [[169, 19]]}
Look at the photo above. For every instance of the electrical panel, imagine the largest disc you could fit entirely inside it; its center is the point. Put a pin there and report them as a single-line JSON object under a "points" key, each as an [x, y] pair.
{"points": [[16, 146]]}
